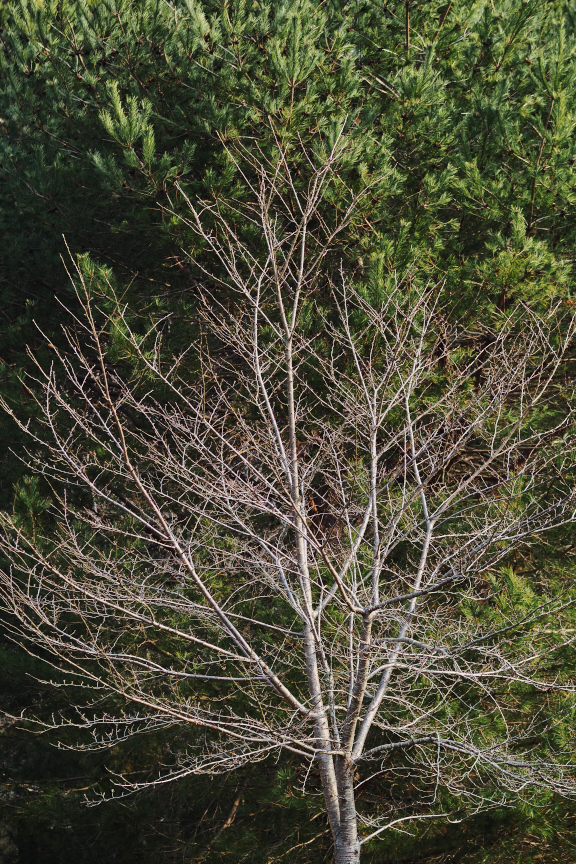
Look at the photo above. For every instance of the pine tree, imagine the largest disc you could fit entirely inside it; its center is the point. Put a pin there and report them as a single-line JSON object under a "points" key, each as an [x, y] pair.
{"points": [[467, 108]]}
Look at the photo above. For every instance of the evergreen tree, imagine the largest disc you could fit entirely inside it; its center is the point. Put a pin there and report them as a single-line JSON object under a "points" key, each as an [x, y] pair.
{"points": [[106, 105]]}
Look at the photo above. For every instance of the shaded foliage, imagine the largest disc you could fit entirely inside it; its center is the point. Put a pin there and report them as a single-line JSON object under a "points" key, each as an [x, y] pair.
{"points": [[105, 106]]}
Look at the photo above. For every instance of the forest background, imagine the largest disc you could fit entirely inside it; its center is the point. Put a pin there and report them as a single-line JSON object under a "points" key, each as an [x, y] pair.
{"points": [[468, 107]]}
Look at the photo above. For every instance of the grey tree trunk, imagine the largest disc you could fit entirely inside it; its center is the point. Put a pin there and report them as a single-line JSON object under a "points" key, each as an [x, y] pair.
{"points": [[346, 853], [346, 842]]}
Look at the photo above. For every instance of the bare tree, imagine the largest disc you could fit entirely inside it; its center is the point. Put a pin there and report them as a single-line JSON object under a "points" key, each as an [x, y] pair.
{"points": [[297, 547]]}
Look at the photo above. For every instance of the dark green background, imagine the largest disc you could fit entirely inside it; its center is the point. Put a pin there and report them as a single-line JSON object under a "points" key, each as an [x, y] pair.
{"points": [[104, 106]]}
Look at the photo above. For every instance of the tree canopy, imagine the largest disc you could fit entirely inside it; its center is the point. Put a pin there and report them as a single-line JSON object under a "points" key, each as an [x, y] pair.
{"points": [[112, 113]]}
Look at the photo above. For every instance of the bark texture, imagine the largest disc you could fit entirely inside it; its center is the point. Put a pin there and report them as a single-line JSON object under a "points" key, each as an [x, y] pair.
{"points": [[346, 852]]}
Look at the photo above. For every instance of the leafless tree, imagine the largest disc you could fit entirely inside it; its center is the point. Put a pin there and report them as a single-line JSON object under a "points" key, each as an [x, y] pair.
{"points": [[297, 544]]}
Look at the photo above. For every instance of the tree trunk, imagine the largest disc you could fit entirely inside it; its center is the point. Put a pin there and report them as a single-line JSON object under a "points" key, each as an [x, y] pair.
{"points": [[346, 852], [346, 843]]}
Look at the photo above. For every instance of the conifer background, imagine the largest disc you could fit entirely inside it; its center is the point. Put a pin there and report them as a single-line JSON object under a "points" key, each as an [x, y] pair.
{"points": [[468, 110]]}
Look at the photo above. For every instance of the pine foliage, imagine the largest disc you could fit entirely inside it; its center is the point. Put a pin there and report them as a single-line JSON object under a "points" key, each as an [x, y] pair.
{"points": [[112, 110]]}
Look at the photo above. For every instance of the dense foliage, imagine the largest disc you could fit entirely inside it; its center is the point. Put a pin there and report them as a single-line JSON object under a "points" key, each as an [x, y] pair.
{"points": [[467, 109]]}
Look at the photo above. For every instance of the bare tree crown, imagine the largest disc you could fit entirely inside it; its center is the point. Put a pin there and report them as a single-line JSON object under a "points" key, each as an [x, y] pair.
{"points": [[298, 533]]}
